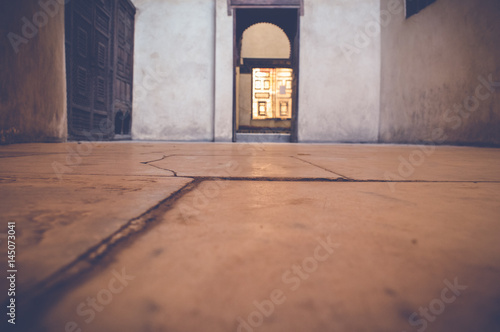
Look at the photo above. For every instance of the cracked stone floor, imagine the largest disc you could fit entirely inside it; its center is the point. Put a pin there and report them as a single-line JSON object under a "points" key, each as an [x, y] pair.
{"points": [[153, 237]]}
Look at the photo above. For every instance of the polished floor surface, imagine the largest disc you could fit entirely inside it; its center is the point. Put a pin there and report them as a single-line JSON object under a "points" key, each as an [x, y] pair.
{"points": [[185, 237]]}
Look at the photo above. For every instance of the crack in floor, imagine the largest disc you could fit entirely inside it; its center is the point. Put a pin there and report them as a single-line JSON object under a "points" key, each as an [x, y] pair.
{"points": [[165, 169], [153, 161], [149, 163], [323, 168]]}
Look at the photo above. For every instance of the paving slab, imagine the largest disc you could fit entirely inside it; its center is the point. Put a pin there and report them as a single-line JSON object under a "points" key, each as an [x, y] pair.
{"points": [[79, 159], [58, 221], [295, 256]]}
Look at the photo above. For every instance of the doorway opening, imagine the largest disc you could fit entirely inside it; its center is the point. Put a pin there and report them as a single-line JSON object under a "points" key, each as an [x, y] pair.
{"points": [[266, 68]]}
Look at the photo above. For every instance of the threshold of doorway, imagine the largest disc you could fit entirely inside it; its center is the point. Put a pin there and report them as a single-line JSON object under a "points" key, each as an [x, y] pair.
{"points": [[263, 138]]}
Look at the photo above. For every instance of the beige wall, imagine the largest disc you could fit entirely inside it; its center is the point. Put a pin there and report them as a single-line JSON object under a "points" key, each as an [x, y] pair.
{"points": [[433, 70], [32, 72]]}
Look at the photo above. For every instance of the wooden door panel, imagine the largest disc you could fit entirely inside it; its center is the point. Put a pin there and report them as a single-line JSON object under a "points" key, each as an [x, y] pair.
{"points": [[88, 57], [81, 70], [101, 73], [123, 78], [98, 73]]}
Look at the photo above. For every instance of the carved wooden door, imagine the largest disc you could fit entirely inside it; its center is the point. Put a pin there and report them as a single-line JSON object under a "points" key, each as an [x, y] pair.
{"points": [[99, 75], [123, 68], [88, 57]]}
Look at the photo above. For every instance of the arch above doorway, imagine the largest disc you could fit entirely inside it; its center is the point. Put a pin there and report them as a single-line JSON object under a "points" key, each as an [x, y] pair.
{"points": [[265, 40]]}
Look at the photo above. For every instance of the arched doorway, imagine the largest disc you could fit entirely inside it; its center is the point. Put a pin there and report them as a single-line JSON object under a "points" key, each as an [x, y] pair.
{"points": [[264, 94], [266, 75]]}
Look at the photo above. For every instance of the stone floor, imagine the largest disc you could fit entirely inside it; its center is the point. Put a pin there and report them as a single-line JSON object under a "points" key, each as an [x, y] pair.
{"points": [[151, 237]]}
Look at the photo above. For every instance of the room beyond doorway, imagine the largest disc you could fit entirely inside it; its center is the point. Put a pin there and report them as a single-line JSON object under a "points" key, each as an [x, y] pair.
{"points": [[266, 74]]}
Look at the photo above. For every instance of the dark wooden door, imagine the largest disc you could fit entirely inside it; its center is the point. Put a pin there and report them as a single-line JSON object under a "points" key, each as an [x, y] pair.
{"points": [[123, 68], [93, 63], [88, 53]]}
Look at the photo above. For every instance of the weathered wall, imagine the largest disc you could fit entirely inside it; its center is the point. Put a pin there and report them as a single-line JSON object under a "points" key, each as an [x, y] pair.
{"points": [[339, 96], [174, 70], [434, 69], [32, 72]]}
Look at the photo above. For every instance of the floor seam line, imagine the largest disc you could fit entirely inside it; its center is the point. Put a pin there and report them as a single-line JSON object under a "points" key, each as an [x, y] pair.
{"points": [[341, 180], [35, 155]]}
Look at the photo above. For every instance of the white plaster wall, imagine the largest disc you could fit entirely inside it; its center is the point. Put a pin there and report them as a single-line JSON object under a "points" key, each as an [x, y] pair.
{"points": [[339, 94], [174, 70]]}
